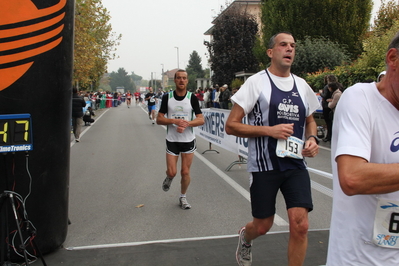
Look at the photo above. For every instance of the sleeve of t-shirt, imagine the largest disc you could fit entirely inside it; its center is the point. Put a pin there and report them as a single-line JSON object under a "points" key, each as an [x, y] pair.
{"points": [[164, 105], [310, 96], [352, 122], [313, 102], [195, 105], [248, 94]]}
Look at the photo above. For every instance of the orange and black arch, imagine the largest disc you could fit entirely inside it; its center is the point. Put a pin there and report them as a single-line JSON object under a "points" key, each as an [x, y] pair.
{"points": [[26, 31]]}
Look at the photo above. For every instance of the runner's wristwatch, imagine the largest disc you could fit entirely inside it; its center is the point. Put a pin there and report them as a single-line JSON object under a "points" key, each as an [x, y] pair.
{"points": [[315, 137]]}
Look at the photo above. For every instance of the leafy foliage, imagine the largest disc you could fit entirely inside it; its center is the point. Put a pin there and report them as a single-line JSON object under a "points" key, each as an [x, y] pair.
{"points": [[136, 79], [231, 51], [194, 70], [94, 42], [121, 79], [386, 17], [372, 61], [236, 83], [342, 21], [318, 53], [260, 52]]}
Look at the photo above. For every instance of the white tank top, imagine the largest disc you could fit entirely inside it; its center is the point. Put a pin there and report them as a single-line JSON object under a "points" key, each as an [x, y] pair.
{"points": [[180, 110]]}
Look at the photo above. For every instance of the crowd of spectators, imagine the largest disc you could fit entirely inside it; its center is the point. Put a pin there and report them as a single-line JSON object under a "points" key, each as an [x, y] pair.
{"points": [[215, 97]]}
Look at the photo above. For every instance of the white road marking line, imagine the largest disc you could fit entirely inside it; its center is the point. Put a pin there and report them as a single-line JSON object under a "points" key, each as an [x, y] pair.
{"points": [[277, 219], [132, 244]]}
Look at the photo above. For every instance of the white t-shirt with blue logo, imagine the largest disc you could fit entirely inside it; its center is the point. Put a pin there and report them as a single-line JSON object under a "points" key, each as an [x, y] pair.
{"points": [[365, 125]]}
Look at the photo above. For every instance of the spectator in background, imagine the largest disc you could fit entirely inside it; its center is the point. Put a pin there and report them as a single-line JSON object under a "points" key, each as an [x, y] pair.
{"points": [[225, 97], [207, 95], [381, 75], [200, 97], [334, 88], [109, 99], [87, 116], [77, 113], [116, 99], [325, 95], [216, 97]]}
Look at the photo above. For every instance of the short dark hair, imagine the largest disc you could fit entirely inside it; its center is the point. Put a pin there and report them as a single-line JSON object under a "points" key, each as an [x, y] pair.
{"points": [[74, 90], [180, 70], [272, 40], [334, 86], [394, 42], [330, 78]]}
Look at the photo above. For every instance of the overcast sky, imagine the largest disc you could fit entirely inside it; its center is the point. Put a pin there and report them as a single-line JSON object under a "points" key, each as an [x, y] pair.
{"points": [[151, 29]]}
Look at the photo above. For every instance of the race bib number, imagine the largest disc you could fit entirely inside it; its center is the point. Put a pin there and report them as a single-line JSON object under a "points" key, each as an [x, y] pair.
{"points": [[180, 116], [292, 148], [386, 224]]}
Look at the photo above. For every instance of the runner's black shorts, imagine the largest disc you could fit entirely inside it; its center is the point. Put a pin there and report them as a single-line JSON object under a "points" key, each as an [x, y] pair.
{"points": [[175, 148], [294, 185]]}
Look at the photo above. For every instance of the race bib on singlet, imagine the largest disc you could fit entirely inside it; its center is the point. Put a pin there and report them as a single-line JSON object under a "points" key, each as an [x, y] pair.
{"points": [[386, 224], [292, 148], [180, 115]]}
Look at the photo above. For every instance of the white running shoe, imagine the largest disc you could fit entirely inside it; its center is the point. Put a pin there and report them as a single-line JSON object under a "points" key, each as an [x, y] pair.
{"points": [[243, 253], [184, 204]]}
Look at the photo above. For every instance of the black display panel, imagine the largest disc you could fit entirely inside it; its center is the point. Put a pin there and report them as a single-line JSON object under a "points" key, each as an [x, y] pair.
{"points": [[15, 133]]}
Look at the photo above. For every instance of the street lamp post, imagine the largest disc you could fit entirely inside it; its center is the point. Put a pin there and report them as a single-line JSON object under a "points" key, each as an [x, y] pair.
{"points": [[163, 85], [177, 56], [153, 79]]}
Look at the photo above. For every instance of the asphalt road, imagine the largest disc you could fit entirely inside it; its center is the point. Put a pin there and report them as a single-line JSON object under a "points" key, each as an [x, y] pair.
{"points": [[116, 197]]}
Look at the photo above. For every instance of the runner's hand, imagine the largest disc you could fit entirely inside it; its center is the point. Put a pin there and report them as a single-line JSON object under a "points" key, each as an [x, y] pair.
{"points": [[311, 148], [281, 131]]}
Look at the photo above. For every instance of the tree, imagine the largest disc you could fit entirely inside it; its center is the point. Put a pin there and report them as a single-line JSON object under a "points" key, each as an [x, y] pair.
{"points": [[136, 79], [234, 35], [342, 21], [386, 17], [94, 42], [121, 79], [314, 54], [194, 70]]}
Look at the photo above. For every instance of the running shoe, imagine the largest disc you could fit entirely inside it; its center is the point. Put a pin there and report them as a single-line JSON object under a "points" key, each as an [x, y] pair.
{"points": [[243, 253], [166, 183], [184, 204]]}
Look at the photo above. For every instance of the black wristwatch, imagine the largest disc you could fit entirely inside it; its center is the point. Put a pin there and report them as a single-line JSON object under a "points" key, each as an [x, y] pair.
{"points": [[315, 137]]}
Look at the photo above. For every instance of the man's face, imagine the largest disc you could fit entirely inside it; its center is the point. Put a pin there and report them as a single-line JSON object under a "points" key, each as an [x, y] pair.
{"points": [[283, 52], [150, 89], [181, 80]]}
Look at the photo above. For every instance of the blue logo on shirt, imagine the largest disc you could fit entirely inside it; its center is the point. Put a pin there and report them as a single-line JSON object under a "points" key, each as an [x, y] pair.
{"points": [[395, 148], [391, 205]]}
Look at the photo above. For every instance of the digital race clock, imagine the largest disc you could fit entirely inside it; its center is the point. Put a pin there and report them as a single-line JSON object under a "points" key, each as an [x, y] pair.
{"points": [[15, 133]]}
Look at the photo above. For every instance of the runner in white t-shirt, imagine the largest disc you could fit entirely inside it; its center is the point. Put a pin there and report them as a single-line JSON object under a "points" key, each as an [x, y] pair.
{"points": [[365, 158]]}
